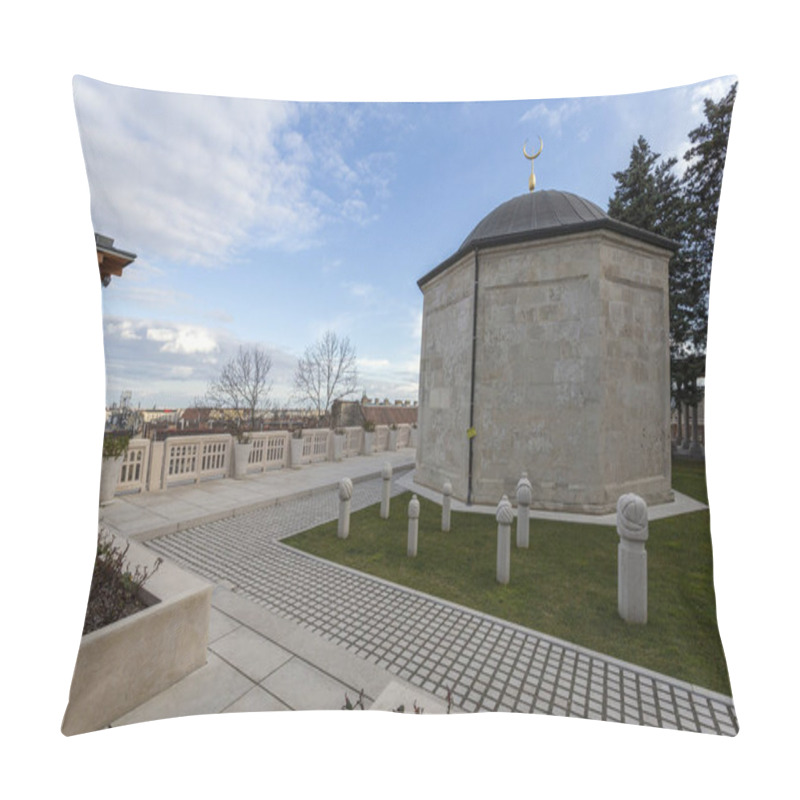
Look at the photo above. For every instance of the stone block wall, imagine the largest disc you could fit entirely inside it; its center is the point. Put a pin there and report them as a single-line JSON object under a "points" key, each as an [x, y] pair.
{"points": [[571, 373], [444, 388]]}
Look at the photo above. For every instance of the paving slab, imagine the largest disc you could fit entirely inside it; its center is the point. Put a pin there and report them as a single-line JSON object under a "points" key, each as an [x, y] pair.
{"points": [[220, 624], [257, 699], [252, 654], [350, 670], [208, 690], [303, 687]]}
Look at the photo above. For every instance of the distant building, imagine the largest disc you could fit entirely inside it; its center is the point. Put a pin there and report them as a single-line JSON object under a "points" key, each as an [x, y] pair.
{"points": [[348, 413], [219, 420], [195, 419]]}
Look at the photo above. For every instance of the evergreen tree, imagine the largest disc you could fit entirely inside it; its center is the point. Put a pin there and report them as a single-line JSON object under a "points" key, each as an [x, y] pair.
{"points": [[702, 184], [689, 289], [647, 193], [650, 196]]}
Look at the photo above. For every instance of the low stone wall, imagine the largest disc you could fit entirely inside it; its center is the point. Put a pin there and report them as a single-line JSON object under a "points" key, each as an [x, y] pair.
{"points": [[156, 466], [121, 666]]}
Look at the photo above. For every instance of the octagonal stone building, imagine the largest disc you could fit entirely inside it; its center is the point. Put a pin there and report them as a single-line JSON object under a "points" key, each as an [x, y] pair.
{"points": [[545, 349]]}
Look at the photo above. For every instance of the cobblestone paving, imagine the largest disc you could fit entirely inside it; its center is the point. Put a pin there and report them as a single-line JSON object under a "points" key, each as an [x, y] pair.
{"points": [[487, 664]]}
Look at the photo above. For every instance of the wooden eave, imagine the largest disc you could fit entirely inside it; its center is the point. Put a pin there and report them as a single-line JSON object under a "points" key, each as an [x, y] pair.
{"points": [[112, 263]]}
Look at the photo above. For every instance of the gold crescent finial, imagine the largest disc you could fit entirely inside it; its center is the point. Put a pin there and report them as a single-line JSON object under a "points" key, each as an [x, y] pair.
{"points": [[532, 179]]}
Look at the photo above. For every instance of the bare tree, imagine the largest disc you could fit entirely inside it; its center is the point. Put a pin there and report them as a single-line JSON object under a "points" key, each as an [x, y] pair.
{"points": [[326, 372], [242, 384]]}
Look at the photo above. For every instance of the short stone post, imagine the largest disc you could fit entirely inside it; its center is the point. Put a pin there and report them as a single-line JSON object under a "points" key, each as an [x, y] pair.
{"points": [[687, 441], [679, 433], [524, 497], [447, 491], [632, 528], [345, 493], [413, 525], [695, 449], [505, 513], [386, 491]]}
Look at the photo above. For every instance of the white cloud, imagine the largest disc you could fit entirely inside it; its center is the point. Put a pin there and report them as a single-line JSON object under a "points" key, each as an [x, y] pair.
{"points": [[196, 179], [181, 372], [390, 389], [409, 366], [357, 210], [152, 297], [695, 95], [219, 316], [185, 339], [551, 115], [372, 363], [172, 363], [393, 378], [713, 90], [124, 329]]}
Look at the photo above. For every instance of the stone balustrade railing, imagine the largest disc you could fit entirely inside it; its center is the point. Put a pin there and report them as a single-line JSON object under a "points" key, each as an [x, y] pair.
{"points": [[270, 451], [150, 466], [133, 473], [315, 445], [353, 442]]}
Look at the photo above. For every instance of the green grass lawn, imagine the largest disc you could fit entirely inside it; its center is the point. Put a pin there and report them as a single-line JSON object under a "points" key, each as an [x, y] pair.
{"points": [[689, 477], [565, 584]]}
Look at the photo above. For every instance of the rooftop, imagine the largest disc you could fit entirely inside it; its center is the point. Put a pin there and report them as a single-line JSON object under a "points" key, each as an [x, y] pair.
{"points": [[542, 215], [110, 259]]}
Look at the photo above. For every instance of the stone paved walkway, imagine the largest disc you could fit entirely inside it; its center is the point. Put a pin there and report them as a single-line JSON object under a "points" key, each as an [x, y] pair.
{"points": [[487, 664]]}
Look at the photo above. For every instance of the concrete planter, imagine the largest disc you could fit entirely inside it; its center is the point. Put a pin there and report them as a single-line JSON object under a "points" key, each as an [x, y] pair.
{"points": [[241, 457], [109, 478], [338, 447], [369, 438], [297, 452], [392, 447], [412, 439], [123, 665]]}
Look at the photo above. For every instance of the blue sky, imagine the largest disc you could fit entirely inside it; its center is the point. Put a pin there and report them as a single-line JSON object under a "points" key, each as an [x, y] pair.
{"points": [[261, 222]]}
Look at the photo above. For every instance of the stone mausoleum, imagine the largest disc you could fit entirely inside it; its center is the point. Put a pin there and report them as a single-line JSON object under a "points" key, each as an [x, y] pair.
{"points": [[545, 349]]}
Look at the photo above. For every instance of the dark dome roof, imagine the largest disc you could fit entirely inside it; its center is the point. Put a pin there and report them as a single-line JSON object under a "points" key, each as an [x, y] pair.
{"points": [[535, 211], [541, 215]]}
